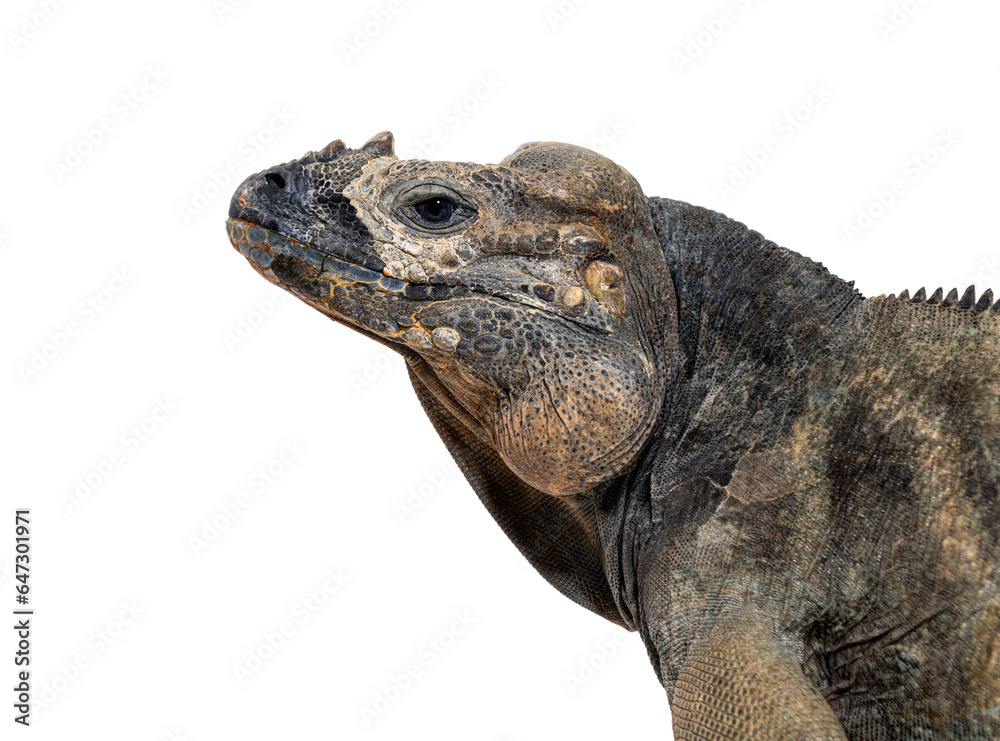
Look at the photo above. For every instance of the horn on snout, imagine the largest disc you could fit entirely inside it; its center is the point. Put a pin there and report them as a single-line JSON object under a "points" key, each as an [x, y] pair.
{"points": [[381, 145]]}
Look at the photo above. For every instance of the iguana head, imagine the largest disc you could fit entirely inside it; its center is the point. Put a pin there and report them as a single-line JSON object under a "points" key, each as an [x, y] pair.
{"points": [[534, 291]]}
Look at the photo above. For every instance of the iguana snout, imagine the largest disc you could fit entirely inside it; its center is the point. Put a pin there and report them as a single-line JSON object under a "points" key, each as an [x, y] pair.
{"points": [[531, 289]]}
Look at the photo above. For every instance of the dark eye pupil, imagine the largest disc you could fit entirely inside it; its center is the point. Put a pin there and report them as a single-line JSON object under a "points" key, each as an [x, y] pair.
{"points": [[435, 210]]}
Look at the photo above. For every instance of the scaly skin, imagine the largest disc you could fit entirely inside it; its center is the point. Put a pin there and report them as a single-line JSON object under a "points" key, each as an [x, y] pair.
{"points": [[790, 491]]}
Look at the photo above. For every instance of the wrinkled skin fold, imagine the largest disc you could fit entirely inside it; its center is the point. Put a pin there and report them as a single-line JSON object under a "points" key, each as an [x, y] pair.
{"points": [[788, 490]]}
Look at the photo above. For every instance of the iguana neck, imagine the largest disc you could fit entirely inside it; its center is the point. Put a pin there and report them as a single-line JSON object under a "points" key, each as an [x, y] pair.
{"points": [[761, 330]]}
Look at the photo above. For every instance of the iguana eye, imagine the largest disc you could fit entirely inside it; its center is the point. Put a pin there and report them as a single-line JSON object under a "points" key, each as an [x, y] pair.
{"points": [[434, 210], [430, 206]]}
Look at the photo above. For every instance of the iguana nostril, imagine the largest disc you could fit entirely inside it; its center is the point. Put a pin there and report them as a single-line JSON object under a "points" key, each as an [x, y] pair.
{"points": [[275, 180]]}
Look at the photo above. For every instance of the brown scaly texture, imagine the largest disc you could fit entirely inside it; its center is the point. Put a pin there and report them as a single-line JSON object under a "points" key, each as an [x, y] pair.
{"points": [[788, 490]]}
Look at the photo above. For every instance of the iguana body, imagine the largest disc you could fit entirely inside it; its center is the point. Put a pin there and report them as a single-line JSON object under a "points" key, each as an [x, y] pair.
{"points": [[790, 491]]}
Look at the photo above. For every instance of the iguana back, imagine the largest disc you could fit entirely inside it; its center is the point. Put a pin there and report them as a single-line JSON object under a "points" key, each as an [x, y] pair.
{"points": [[849, 509]]}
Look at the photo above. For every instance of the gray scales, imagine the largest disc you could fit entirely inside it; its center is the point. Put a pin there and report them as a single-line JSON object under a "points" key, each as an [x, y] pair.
{"points": [[787, 489]]}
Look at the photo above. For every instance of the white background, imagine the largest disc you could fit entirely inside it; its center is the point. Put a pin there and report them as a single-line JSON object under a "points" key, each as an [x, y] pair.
{"points": [[680, 95]]}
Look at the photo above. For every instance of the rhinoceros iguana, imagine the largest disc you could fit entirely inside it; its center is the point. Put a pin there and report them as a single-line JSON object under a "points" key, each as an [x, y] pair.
{"points": [[787, 489]]}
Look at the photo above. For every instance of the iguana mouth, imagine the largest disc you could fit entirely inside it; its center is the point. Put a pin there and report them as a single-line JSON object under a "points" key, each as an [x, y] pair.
{"points": [[263, 247], [314, 273], [308, 268]]}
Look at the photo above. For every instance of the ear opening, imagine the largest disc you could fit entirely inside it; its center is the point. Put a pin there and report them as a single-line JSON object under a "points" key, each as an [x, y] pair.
{"points": [[607, 282]]}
